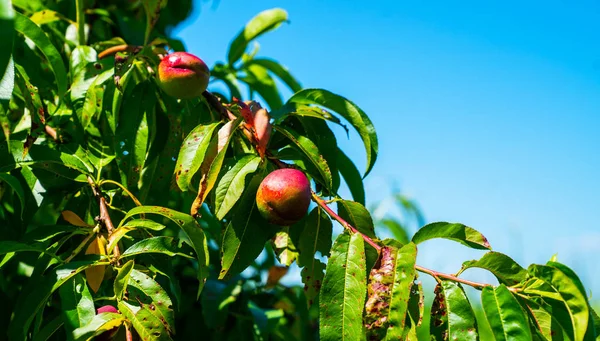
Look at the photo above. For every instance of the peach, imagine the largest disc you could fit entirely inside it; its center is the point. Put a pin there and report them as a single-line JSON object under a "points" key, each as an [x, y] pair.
{"points": [[183, 75], [283, 196]]}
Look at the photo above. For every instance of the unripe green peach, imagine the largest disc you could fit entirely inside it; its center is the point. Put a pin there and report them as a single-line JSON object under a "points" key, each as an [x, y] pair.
{"points": [[183, 75], [283, 196]]}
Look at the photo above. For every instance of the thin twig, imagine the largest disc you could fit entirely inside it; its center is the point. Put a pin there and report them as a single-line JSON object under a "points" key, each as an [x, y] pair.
{"points": [[340, 220], [104, 216]]}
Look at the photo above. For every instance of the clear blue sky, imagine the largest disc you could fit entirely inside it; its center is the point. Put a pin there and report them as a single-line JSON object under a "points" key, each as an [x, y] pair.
{"points": [[487, 112]]}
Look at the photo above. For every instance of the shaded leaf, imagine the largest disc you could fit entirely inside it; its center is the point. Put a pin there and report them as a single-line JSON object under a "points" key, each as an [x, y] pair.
{"points": [[279, 70], [14, 183], [452, 231], [146, 324], [77, 304], [344, 288], [157, 300], [259, 80], [246, 233], [6, 25], [351, 176], [284, 247], [32, 31], [122, 279]]}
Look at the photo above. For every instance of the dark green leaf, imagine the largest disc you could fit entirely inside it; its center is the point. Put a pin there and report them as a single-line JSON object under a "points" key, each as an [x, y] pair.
{"points": [[77, 304], [16, 186], [261, 23], [32, 302], [156, 298], [404, 276], [311, 151], [122, 279], [165, 245], [352, 177], [6, 26], [265, 320], [504, 314], [452, 231], [7, 246], [350, 111], [43, 157], [99, 324], [49, 329], [190, 227], [192, 153], [246, 233], [344, 288], [32, 31], [452, 317], [279, 70], [232, 184], [502, 266]]}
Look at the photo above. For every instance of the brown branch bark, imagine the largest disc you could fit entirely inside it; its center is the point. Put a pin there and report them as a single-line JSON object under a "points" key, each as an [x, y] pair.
{"points": [[104, 216]]}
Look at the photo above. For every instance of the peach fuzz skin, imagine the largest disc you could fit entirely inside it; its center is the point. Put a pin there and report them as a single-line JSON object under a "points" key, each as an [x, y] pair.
{"points": [[283, 196], [183, 75]]}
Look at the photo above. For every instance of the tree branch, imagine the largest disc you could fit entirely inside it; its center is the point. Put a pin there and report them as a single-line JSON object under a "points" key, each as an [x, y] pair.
{"points": [[104, 216]]}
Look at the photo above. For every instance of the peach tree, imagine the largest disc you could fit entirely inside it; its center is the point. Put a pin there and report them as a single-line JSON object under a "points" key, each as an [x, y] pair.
{"points": [[144, 195]]}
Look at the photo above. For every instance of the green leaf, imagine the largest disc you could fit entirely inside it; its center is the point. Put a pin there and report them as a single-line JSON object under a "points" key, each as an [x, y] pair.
{"points": [[145, 224], [148, 326], [49, 329], [99, 324], [16, 186], [190, 227], [404, 276], [30, 303], [165, 245], [246, 233], [122, 279], [259, 80], [32, 31], [344, 288], [352, 177], [568, 289], [7, 246], [284, 247], [350, 111], [546, 320], [360, 218], [452, 317], [502, 266], [279, 70], [77, 304], [6, 26], [146, 290], [261, 23], [311, 151], [152, 8], [47, 16], [232, 184], [504, 313], [452, 231], [265, 320], [192, 153], [43, 157]]}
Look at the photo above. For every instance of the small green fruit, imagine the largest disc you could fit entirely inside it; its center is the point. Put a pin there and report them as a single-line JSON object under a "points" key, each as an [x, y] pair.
{"points": [[183, 75], [283, 196]]}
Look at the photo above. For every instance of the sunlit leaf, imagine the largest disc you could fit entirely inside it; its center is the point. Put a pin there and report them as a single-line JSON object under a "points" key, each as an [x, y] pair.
{"points": [[503, 267], [261, 23], [350, 111], [94, 275], [122, 279], [360, 218], [100, 323], [146, 324], [452, 317], [192, 153], [231, 186], [189, 226], [504, 314], [6, 25], [344, 288], [452, 231], [155, 298], [165, 245]]}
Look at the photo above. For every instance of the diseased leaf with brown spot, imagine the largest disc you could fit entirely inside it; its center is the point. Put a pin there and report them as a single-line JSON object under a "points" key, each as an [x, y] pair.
{"points": [[452, 317]]}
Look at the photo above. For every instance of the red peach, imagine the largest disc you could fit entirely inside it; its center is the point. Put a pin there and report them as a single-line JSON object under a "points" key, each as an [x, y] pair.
{"points": [[283, 196], [183, 75]]}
